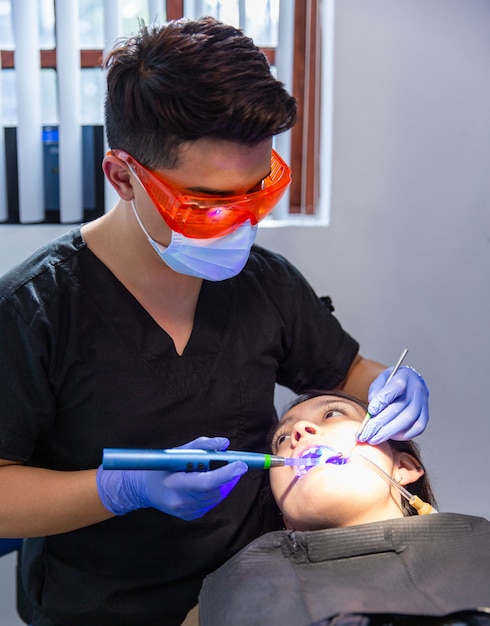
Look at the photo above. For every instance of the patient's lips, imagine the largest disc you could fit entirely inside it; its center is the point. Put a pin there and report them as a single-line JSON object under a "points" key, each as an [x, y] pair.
{"points": [[322, 455]]}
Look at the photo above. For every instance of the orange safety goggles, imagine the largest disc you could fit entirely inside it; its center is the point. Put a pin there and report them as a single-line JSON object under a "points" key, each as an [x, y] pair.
{"points": [[203, 217]]}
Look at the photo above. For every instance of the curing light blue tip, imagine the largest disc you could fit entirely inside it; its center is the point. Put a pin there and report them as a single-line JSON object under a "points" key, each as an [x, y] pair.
{"points": [[321, 455]]}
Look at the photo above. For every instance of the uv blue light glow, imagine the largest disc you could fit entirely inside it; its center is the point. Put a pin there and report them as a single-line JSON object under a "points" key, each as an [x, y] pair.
{"points": [[322, 455]]}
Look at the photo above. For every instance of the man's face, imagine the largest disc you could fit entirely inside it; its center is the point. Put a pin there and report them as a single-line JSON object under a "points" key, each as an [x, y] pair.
{"points": [[207, 168], [330, 495], [210, 167]]}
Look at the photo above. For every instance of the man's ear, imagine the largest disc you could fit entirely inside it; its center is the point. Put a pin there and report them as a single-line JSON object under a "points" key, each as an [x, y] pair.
{"points": [[117, 173], [407, 468]]}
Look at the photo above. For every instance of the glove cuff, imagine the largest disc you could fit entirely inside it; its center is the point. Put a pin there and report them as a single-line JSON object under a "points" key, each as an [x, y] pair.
{"points": [[115, 491]]}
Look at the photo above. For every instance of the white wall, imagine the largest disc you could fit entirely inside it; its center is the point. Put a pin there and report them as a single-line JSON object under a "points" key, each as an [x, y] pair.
{"points": [[406, 257]]}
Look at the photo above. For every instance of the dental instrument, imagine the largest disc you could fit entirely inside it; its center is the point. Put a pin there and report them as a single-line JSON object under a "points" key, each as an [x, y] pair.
{"points": [[422, 508], [192, 460], [368, 415], [316, 456]]}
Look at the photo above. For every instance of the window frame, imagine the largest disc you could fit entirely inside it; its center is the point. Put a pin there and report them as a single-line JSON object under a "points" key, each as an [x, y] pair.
{"points": [[306, 87]]}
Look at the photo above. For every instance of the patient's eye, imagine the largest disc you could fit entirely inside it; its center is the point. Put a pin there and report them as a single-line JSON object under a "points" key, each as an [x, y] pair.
{"points": [[279, 439], [334, 411]]}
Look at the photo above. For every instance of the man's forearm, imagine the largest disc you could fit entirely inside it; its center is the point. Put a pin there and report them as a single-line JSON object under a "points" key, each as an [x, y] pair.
{"points": [[38, 502], [361, 374]]}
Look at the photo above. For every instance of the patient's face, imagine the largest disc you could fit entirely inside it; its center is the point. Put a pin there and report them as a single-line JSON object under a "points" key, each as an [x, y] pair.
{"points": [[331, 495]]}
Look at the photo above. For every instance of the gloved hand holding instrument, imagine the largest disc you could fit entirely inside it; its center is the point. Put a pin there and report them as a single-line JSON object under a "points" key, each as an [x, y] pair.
{"points": [[398, 406], [184, 495]]}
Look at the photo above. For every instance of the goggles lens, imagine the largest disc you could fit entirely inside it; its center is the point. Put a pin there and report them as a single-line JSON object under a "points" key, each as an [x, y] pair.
{"points": [[204, 217]]}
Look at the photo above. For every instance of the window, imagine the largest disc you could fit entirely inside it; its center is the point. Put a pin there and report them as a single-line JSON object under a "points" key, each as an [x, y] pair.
{"points": [[288, 32]]}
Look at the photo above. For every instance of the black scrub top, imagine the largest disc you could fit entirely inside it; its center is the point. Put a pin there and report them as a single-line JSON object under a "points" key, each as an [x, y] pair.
{"points": [[83, 366]]}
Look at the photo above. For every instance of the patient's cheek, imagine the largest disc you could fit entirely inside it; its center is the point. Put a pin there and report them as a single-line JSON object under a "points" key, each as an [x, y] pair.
{"points": [[275, 480]]}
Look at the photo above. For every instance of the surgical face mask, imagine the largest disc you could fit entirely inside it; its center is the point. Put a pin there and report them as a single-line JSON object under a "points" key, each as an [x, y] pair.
{"points": [[212, 259]]}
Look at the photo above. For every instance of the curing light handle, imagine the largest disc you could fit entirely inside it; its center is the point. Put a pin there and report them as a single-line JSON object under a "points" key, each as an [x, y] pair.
{"points": [[183, 460]]}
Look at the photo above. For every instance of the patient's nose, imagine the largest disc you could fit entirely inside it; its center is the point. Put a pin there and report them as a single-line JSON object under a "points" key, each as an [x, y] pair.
{"points": [[302, 429]]}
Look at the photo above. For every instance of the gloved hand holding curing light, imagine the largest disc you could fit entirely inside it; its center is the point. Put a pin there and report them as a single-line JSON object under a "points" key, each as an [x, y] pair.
{"points": [[181, 494], [399, 410]]}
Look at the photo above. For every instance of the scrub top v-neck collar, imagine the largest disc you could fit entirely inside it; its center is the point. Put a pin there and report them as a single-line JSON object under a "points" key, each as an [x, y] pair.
{"points": [[135, 324]]}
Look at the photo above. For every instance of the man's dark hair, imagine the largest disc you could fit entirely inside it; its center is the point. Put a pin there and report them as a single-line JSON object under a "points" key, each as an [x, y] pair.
{"points": [[186, 80]]}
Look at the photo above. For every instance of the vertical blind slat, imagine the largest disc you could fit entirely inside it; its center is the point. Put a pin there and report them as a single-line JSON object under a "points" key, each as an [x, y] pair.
{"points": [[3, 171], [29, 128], [158, 11], [284, 73], [242, 15], [70, 130], [326, 59], [112, 30]]}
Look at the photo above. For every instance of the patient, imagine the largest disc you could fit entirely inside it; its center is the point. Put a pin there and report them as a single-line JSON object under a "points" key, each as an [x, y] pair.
{"points": [[353, 550]]}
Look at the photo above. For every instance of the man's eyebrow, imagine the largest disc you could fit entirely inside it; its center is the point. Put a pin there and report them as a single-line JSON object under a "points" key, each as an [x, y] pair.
{"points": [[205, 191], [222, 193]]}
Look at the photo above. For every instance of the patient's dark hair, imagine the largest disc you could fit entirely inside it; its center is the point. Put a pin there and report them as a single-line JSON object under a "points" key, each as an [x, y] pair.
{"points": [[186, 80], [420, 487]]}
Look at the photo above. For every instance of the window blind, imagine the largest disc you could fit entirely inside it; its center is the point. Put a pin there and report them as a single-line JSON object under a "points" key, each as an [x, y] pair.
{"points": [[74, 154], [29, 129], [3, 173]]}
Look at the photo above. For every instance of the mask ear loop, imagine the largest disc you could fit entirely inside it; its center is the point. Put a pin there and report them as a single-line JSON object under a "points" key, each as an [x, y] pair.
{"points": [[133, 206], [153, 243], [158, 247]]}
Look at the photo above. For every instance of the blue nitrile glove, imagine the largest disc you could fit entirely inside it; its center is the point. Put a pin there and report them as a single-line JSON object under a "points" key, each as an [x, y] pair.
{"points": [[181, 494], [399, 410]]}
